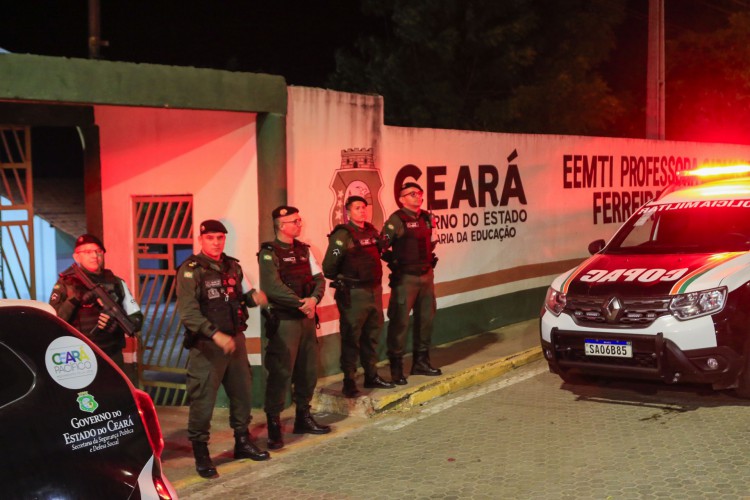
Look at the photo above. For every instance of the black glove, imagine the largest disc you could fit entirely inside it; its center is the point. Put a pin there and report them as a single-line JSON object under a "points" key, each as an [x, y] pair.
{"points": [[88, 298], [112, 326]]}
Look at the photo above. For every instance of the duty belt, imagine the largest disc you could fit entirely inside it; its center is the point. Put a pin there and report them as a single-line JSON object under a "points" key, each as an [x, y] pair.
{"points": [[417, 272]]}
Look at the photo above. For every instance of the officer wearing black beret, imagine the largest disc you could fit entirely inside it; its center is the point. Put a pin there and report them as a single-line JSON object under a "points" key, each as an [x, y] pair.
{"points": [[294, 284], [409, 232], [213, 309], [352, 263], [78, 305]]}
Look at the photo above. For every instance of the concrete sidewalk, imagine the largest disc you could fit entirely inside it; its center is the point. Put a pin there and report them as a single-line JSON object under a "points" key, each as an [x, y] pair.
{"points": [[465, 363]]}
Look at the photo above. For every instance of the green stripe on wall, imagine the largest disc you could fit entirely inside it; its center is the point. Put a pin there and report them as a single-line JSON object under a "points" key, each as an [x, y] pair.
{"points": [[452, 323]]}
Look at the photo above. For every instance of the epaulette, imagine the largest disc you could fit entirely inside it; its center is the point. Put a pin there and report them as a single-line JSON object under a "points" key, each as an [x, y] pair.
{"points": [[339, 226], [267, 245]]}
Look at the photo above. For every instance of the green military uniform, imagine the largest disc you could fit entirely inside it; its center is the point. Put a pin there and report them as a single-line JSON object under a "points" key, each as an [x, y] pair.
{"points": [[289, 273], [352, 262], [76, 305], [412, 284], [210, 299]]}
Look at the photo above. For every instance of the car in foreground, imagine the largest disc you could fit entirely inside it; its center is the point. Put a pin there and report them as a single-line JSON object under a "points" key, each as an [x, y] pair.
{"points": [[72, 425], [667, 298]]}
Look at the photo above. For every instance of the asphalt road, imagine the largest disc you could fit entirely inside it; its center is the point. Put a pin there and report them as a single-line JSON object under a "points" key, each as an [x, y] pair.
{"points": [[524, 435]]}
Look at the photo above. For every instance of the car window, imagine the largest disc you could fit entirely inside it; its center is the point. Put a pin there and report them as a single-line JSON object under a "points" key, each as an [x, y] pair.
{"points": [[18, 378], [664, 229]]}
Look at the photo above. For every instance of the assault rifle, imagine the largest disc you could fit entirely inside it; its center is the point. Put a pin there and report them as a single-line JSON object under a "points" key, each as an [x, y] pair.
{"points": [[109, 306]]}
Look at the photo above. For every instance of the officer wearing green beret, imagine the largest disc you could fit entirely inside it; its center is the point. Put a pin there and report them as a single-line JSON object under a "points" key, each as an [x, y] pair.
{"points": [[352, 263], [409, 232], [294, 284], [213, 309]]}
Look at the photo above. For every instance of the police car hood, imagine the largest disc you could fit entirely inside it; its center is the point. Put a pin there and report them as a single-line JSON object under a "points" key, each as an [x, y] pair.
{"points": [[654, 275]]}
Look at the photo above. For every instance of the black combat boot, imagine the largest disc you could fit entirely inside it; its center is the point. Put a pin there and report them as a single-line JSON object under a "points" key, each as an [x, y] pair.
{"points": [[397, 371], [203, 464], [350, 388], [375, 382], [304, 423], [421, 365], [245, 448], [275, 434]]}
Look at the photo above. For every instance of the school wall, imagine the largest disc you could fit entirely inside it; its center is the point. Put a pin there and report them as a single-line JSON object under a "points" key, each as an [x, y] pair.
{"points": [[514, 210]]}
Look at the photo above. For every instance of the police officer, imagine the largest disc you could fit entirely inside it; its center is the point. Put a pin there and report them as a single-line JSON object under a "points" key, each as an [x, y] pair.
{"points": [[79, 307], [352, 263], [409, 231], [294, 284], [213, 309]]}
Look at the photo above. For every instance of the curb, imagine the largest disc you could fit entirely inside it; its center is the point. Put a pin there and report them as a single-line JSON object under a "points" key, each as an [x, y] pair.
{"points": [[331, 401]]}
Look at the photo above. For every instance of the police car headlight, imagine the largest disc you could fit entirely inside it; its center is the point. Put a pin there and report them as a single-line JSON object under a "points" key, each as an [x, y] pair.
{"points": [[696, 304], [555, 301]]}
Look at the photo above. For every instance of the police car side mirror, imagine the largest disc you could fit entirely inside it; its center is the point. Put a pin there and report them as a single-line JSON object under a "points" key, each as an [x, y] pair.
{"points": [[596, 246]]}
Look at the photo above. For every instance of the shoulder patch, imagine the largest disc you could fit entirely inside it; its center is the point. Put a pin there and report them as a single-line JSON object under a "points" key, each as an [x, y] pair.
{"points": [[340, 243], [267, 256], [390, 226], [192, 263], [187, 274]]}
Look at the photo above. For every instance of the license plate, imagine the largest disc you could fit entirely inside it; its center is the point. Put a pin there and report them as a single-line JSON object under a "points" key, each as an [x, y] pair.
{"points": [[612, 348]]}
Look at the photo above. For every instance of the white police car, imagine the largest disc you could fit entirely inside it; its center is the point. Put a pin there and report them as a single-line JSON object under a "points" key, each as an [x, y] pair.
{"points": [[668, 298], [71, 423]]}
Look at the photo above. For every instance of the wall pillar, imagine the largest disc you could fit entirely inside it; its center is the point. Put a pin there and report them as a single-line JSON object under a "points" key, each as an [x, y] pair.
{"points": [[272, 179]]}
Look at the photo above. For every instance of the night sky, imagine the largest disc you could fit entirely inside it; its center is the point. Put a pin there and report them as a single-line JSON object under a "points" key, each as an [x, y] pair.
{"points": [[294, 39]]}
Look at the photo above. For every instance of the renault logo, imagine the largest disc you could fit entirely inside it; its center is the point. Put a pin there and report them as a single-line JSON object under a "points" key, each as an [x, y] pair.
{"points": [[612, 309]]}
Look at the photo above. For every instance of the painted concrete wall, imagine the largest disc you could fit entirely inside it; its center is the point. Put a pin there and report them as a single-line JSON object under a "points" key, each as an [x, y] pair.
{"points": [[210, 155], [515, 210]]}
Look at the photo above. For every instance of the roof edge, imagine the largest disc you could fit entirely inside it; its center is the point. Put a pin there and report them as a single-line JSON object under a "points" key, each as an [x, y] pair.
{"points": [[88, 81]]}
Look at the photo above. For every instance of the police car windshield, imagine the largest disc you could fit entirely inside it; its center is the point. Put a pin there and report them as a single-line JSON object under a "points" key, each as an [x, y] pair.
{"points": [[675, 228]]}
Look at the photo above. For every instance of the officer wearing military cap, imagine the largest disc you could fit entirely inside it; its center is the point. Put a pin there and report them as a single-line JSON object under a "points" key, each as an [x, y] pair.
{"points": [[213, 309], [409, 232], [78, 305], [294, 284], [352, 263]]}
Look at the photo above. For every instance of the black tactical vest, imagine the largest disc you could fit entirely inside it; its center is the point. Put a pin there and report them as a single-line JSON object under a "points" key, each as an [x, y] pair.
{"points": [[412, 251], [221, 299], [362, 261], [294, 266], [87, 314]]}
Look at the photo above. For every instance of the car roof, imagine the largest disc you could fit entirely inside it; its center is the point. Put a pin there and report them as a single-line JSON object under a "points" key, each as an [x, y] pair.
{"points": [[727, 189], [27, 303]]}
